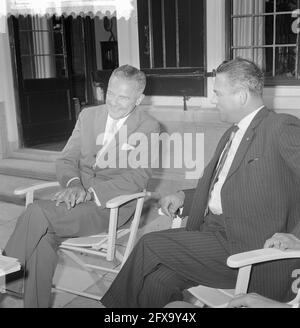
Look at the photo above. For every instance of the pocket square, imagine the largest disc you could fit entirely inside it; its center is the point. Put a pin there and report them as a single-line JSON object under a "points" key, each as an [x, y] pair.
{"points": [[253, 160], [126, 146]]}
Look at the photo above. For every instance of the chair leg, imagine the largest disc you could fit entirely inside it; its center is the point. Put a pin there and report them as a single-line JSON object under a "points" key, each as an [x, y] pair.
{"points": [[2, 284], [133, 228], [88, 269], [112, 233], [243, 280]]}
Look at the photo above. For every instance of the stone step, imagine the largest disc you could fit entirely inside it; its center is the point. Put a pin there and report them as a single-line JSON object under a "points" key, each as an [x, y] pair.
{"points": [[21, 171], [35, 155], [32, 167], [26, 168], [8, 184]]}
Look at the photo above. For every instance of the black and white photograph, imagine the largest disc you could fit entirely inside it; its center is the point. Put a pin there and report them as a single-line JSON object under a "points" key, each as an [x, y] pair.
{"points": [[150, 157]]}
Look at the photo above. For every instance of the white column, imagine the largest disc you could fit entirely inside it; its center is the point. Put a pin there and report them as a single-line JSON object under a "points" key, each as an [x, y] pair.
{"points": [[3, 12], [7, 94], [128, 39], [215, 39]]}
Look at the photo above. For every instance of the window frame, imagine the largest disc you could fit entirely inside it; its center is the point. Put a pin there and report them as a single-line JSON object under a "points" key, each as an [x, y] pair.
{"points": [[164, 81], [269, 81], [30, 32]]}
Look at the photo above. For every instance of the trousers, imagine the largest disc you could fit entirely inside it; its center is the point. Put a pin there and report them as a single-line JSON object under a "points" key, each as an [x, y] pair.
{"points": [[35, 240], [164, 263]]}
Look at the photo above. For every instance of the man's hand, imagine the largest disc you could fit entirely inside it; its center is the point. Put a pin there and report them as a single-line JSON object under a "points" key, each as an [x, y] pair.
{"points": [[71, 196], [253, 300], [171, 203], [283, 241]]}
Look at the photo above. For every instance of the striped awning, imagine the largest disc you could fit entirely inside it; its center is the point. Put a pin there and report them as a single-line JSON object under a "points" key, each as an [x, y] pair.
{"points": [[67, 7], [121, 8]]}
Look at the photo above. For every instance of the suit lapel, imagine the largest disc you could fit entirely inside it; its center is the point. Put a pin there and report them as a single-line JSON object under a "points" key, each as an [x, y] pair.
{"points": [[246, 141], [131, 124], [99, 127]]}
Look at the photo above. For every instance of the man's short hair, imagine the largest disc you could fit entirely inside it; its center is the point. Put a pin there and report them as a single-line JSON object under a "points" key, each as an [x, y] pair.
{"points": [[131, 73], [243, 73]]}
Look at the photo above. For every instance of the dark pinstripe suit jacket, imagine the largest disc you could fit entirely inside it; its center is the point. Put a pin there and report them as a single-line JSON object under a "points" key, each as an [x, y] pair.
{"points": [[261, 194]]}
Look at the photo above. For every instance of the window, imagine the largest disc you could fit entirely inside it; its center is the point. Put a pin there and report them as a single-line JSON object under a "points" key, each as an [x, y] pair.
{"points": [[172, 46], [264, 31], [42, 47]]}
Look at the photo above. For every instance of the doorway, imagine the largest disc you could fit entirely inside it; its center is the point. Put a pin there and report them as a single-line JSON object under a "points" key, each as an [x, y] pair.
{"points": [[54, 61]]}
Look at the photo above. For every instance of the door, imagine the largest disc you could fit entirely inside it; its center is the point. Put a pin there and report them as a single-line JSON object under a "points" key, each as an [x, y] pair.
{"points": [[41, 50]]}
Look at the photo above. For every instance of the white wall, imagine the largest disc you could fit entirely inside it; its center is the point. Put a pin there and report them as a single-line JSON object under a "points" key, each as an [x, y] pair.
{"points": [[128, 39], [283, 99]]}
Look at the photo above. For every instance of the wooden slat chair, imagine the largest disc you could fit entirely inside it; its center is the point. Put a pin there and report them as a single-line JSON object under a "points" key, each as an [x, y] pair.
{"points": [[103, 245], [243, 262], [214, 297]]}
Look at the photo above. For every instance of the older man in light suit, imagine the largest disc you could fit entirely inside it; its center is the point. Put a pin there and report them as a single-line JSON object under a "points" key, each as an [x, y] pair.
{"points": [[249, 191], [90, 173]]}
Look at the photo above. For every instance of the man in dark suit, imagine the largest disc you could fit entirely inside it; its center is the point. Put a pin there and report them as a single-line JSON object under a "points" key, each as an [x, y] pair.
{"points": [[90, 173], [249, 190]]}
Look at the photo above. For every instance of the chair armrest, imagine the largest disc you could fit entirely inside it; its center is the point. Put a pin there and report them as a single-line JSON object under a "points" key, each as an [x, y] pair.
{"points": [[23, 191], [120, 200], [112, 203], [260, 255]]}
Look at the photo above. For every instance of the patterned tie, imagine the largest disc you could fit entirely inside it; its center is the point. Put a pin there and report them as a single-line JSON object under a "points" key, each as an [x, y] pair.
{"points": [[221, 163]]}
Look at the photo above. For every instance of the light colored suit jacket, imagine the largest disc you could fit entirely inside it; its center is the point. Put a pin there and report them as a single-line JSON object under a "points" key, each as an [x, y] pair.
{"points": [[79, 155]]}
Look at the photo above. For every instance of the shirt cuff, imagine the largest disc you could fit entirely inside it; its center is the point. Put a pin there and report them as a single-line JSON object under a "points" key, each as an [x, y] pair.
{"points": [[96, 199], [67, 184]]}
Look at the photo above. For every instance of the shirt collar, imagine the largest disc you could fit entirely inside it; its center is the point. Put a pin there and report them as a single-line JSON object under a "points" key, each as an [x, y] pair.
{"points": [[119, 121]]}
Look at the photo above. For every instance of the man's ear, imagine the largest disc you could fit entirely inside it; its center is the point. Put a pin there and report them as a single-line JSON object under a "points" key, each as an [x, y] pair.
{"points": [[243, 97], [140, 99]]}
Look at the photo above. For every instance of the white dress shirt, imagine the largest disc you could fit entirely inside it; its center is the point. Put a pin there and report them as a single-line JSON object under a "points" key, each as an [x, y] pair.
{"points": [[215, 202], [110, 131]]}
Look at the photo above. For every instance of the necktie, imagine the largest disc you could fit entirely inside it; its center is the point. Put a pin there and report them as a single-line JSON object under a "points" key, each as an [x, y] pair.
{"points": [[106, 140], [221, 163], [111, 131]]}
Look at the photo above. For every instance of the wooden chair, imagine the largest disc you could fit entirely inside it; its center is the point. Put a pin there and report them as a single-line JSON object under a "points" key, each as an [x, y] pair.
{"points": [[214, 297], [7, 265], [102, 245]]}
